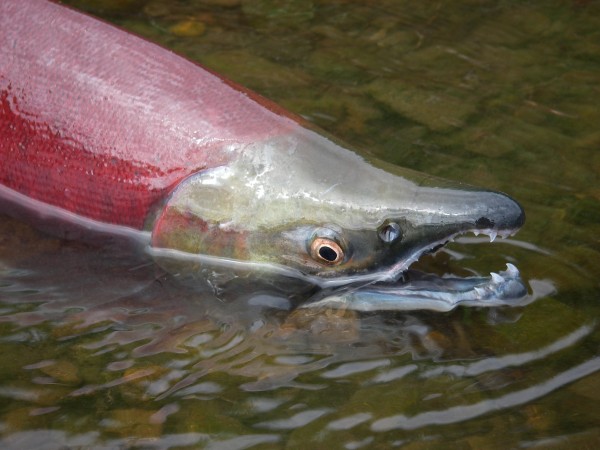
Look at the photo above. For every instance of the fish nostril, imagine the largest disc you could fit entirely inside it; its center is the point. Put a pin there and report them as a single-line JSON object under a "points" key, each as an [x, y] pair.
{"points": [[389, 232], [484, 222]]}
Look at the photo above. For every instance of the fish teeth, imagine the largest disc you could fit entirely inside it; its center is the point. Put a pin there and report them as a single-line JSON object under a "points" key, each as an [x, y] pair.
{"points": [[512, 270], [493, 235], [496, 278]]}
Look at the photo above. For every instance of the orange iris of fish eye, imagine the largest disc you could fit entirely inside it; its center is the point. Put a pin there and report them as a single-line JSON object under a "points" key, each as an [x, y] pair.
{"points": [[326, 251]]}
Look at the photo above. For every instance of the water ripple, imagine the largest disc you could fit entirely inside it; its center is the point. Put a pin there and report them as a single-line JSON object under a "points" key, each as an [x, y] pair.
{"points": [[466, 412]]}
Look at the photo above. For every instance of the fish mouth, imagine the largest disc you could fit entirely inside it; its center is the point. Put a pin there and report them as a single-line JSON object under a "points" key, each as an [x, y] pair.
{"points": [[395, 272], [397, 288], [404, 289], [488, 213]]}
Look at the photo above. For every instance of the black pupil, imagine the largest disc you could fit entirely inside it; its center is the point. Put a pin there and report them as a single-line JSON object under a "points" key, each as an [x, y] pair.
{"points": [[327, 253]]}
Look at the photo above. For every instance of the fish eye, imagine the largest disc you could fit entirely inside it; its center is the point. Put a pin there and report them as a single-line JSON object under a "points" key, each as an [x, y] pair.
{"points": [[326, 251], [389, 232]]}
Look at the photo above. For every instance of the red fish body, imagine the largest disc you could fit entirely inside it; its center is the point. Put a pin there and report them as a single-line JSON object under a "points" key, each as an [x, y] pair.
{"points": [[104, 124]]}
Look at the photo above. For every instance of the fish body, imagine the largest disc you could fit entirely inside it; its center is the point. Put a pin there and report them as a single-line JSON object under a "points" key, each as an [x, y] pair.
{"points": [[101, 128]]}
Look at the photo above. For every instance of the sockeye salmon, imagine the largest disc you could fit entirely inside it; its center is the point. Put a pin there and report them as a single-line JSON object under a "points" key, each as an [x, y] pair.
{"points": [[104, 131]]}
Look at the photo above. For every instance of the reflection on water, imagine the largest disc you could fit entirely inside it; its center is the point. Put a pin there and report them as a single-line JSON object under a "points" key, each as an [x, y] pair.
{"points": [[105, 349], [101, 349]]}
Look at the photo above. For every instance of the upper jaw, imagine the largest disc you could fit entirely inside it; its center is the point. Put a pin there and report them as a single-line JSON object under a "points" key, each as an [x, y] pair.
{"points": [[466, 210], [480, 212]]}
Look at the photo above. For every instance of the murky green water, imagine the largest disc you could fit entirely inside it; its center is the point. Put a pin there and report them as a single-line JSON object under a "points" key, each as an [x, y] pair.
{"points": [[102, 350]]}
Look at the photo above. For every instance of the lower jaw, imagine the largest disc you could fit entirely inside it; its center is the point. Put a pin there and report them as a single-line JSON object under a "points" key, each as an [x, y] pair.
{"points": [[419, 291]]}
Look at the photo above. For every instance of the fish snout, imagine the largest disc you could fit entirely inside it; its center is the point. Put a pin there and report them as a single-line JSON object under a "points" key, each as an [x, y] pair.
{"points": [[441, 214], [461, 209], [496, 214]]}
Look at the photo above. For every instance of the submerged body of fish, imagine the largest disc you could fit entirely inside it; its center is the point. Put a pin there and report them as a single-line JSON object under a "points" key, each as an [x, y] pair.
{"points": [[103, 131]]}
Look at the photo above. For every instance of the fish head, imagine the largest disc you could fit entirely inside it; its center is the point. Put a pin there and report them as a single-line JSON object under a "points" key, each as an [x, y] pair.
{"points": [[303, 206]]}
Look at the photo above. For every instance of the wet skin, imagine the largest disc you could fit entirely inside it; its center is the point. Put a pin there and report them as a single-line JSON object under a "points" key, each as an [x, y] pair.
{"points": [[102, 130]]}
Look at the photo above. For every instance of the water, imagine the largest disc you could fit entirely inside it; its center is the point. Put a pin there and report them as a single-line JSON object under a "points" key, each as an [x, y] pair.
{"points": [[101, 349]]}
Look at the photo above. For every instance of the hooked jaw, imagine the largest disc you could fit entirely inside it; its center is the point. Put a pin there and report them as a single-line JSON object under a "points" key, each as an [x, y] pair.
{"points": [[494, 214]]}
